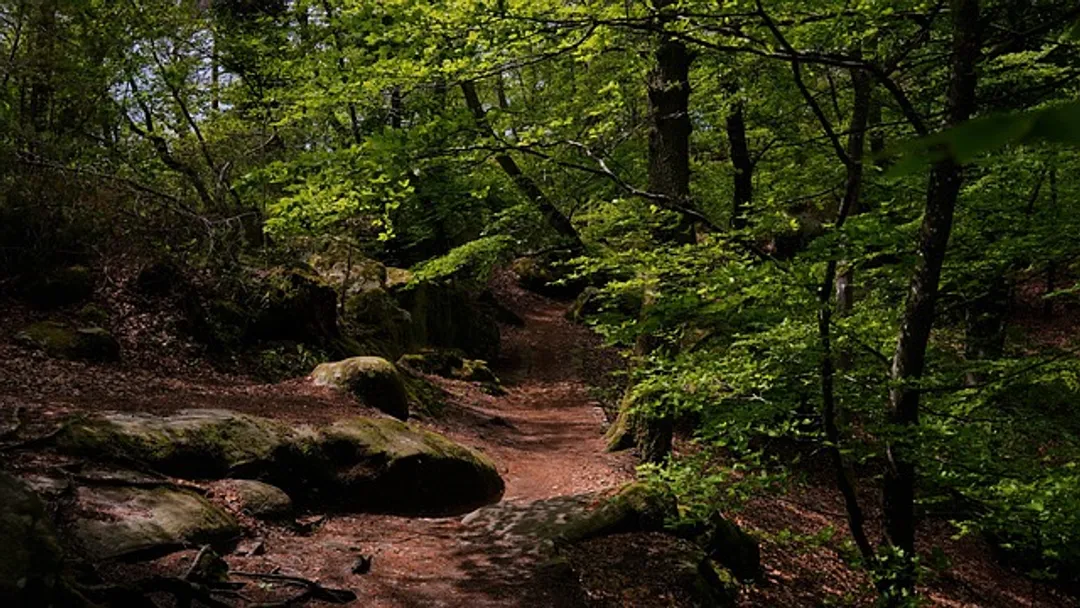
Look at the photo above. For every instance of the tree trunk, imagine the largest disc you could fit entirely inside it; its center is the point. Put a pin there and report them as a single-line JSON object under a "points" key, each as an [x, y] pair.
{"points": [[742, 164], [555, 218], [842, 285], [669, 175], [909, 359], [669, 127]]}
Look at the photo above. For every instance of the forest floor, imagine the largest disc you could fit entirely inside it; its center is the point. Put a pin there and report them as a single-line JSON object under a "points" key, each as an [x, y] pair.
{"points": [[545, 434]]}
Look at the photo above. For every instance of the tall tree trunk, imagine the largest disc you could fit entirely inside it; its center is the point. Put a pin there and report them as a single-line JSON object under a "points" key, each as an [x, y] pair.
{"points": [[842, 285], [669, 128], [742, 164], [909, 359], [555, 218], [669, 175]]}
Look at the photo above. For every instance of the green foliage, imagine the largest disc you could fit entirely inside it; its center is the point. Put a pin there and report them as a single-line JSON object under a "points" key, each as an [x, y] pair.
{"points": [[472, 262]]}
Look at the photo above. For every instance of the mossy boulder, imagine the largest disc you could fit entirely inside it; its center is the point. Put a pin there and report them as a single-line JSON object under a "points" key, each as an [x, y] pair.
{"points": [[387, 465], [123, 521], [361, 463], [253, 498], [435, 361], [61, 287], [374, 380], [636, 507], [374, 317], [93, 314], [80, 344], [449, 363], [30, 557], [198, 444]]}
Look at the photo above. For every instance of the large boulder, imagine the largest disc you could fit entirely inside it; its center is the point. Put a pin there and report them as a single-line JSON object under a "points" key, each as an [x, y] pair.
{"points": [[61, 287], [386, 465], [374, 380], [197, 444], [30, 557], [79, 344], [363, 463], [123, 521]]}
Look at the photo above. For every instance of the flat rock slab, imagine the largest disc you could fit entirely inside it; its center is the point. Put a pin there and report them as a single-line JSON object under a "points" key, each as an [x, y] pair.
{"points": [[119, 522]]}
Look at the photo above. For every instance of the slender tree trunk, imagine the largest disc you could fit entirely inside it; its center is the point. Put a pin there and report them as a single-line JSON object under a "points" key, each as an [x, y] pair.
{"points": [[909, 359], [742, 164], [1051, 266], [555, 218], [842, 286]]}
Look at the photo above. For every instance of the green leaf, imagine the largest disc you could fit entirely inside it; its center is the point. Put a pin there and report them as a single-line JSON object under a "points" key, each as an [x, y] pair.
{"points": [[971, 139]]}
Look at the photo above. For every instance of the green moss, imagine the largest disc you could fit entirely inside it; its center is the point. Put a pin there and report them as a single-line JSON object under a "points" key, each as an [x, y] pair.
{"points": [[196, 443], [374, 380], [636, 507], [59, 340]]}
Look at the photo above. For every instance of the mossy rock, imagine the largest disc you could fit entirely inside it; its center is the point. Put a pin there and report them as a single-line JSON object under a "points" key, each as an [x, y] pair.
{"points": [[387, 465], [123, 521], [435, 361], [449, 363], [374, 380], [93, 314], [80, 344], [295, 304], [61, 287], [636, 507], [475, 370], [31, 561], [374, 317], [198, 444], [362, 463], [621, 435], [254, 498]]}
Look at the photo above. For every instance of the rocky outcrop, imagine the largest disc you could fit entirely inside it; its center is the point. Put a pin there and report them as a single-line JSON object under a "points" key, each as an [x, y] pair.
{"points": [[373, 380], [358, 463], [123, 521], [445, 315], [58, 340]]}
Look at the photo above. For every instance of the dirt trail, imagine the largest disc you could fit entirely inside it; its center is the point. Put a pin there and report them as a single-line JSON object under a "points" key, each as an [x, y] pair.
{"points": [[545, 435]]}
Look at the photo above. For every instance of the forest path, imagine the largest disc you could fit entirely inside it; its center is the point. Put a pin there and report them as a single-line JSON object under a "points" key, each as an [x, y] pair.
{"points": [[546, 437]]}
